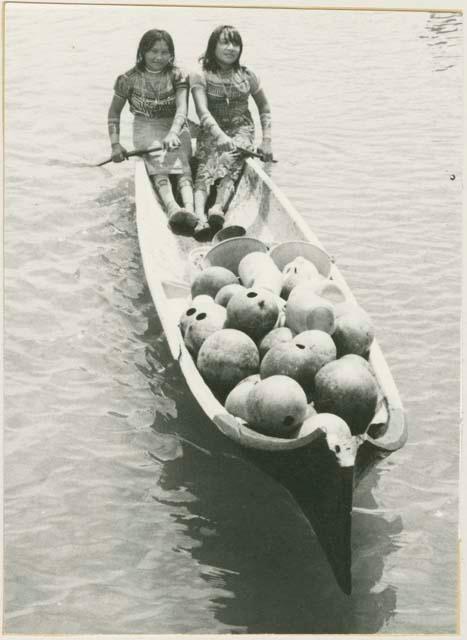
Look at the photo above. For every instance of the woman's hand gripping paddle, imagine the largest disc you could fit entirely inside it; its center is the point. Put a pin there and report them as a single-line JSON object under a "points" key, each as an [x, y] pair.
{"points": [[136, 152]]}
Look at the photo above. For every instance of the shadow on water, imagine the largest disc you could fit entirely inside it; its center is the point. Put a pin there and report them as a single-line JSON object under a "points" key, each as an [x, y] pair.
{"points": [[251, 540]]}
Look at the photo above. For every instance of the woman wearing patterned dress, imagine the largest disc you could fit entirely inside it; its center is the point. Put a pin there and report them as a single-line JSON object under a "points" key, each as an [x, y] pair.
{"points": [[221, 91], [157, 93]]}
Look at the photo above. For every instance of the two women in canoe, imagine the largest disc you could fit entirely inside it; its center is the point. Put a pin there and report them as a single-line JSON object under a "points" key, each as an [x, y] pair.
{"points": [[157, 92]]}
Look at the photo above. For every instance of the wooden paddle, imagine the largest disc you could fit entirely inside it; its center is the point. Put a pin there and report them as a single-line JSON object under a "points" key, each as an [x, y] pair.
{"points": [[253, 154], [141, 152], [136, 152]]}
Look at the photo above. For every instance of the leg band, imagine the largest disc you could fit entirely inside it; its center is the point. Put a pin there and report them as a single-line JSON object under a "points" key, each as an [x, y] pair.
{"points": [[184, 181], [161, 181]]}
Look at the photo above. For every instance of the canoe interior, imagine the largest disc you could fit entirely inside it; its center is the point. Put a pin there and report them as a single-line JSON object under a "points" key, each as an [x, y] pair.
{"points": [[171, 262]]}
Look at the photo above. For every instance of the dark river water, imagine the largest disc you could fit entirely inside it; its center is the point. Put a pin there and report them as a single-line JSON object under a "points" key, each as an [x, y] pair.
{"points": [[120, 513]]}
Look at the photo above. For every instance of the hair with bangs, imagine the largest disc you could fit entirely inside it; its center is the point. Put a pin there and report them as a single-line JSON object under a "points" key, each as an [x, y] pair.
{"points": [[147, 42], [208, 59]]}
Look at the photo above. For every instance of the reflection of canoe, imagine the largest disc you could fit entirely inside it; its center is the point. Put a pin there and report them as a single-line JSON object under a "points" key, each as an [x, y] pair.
{"points": [[320, 483]]}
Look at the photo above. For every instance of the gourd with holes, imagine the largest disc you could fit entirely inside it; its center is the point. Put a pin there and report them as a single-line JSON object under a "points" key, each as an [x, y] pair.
{"points": [[196, 305], [276, 406], [320, 348], [253, 311], [203, 324]]}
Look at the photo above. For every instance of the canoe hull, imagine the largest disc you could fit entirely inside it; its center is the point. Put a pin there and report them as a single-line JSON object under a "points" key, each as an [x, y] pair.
{"points": [[324, 492], [307, 468]]}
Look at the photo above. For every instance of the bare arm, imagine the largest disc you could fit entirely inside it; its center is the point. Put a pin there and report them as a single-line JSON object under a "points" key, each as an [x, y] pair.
{"points": [[266, 122], [172, 140], [224, 143], [181, 101], [113, 123]]}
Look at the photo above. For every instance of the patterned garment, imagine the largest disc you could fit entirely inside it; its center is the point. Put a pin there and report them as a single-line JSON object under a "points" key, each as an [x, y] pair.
{"points": [[152, 100], [227, 98], [149, 132]]}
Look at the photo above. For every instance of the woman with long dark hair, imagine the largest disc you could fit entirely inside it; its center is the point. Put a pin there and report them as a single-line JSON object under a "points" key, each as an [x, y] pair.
{"points": [[221, 90], [157, 92]]}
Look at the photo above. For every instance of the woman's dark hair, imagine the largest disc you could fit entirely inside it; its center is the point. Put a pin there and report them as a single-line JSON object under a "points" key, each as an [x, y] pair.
{"points": [[208, 59], [147, 42]]}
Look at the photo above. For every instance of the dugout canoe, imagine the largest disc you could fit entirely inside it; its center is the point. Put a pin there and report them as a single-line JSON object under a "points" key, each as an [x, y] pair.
{"points": [[320, 480]]}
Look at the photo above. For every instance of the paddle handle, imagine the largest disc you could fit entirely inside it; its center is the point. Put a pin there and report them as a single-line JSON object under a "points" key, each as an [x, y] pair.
{"points": [[136, 152], [253, 154]]}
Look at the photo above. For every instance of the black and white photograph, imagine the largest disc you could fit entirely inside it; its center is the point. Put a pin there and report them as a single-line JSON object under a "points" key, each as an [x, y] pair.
{"points": [[232, 319]]}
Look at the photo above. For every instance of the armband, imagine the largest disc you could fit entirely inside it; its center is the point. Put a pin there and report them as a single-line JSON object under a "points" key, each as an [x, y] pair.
{"points": [[266, 124], [177, 124], [208, 122], [113, 125]]}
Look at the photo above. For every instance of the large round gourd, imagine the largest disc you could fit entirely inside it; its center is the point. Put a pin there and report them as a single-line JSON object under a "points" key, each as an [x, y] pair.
{"points": [[354, 333], [210, 280], [236, 402], [226, 357], [279, 335], [197, 305], [212, 318], [320, 345], [348, 390], [353, 357], [253, 311], [277, 406], [224, 295], [293, 360]]}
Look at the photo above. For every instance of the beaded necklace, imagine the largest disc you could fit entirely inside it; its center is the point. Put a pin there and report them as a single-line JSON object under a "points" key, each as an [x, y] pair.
{"points": [[228, 95], [155, 88]]}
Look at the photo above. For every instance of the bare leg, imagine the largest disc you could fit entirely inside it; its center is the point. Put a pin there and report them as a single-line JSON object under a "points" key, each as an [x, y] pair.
{"points": [[185, 188], [164, 189], [224, 193], [177, 216], [200, 203], [202, 230]]}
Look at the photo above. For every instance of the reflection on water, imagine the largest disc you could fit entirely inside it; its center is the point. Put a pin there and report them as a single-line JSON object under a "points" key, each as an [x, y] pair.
{"points": [[441, 27], [250, 539]]}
